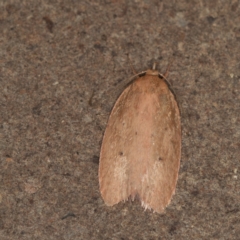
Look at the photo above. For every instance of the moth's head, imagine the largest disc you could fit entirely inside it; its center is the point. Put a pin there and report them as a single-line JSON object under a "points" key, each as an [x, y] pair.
{"points": [[152, 72]]}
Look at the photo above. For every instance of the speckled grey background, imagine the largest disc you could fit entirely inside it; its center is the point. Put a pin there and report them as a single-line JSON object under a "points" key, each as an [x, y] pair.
{"points": [[63, 65]]}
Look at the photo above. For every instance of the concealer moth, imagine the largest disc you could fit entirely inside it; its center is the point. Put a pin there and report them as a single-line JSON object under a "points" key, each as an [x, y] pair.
{"points": [[141, 147]]}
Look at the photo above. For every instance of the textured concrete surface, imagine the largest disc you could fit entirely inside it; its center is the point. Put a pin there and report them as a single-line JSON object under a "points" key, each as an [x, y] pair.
{"points": [[63, 65]]}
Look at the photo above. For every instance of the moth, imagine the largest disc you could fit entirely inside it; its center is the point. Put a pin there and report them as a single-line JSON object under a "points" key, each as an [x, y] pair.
{"points": [[141, 147]]}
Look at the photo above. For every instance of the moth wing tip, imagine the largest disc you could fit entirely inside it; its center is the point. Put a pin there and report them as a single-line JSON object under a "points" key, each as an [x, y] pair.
{"points": [[146, 206]]}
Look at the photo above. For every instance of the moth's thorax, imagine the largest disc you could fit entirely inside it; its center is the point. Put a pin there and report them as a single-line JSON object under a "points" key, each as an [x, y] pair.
{"points": [[150, 84]]}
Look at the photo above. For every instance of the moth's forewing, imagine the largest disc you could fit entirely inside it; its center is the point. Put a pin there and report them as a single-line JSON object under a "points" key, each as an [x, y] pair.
{"points": [[141, 148]]}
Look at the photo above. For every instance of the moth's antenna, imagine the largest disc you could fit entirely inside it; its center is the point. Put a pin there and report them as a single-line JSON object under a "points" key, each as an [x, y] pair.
{"points": [[133, 70], [167, 70]]}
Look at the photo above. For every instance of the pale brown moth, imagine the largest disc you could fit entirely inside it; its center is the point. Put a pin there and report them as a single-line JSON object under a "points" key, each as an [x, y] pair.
{"points": [[141, 147]]}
